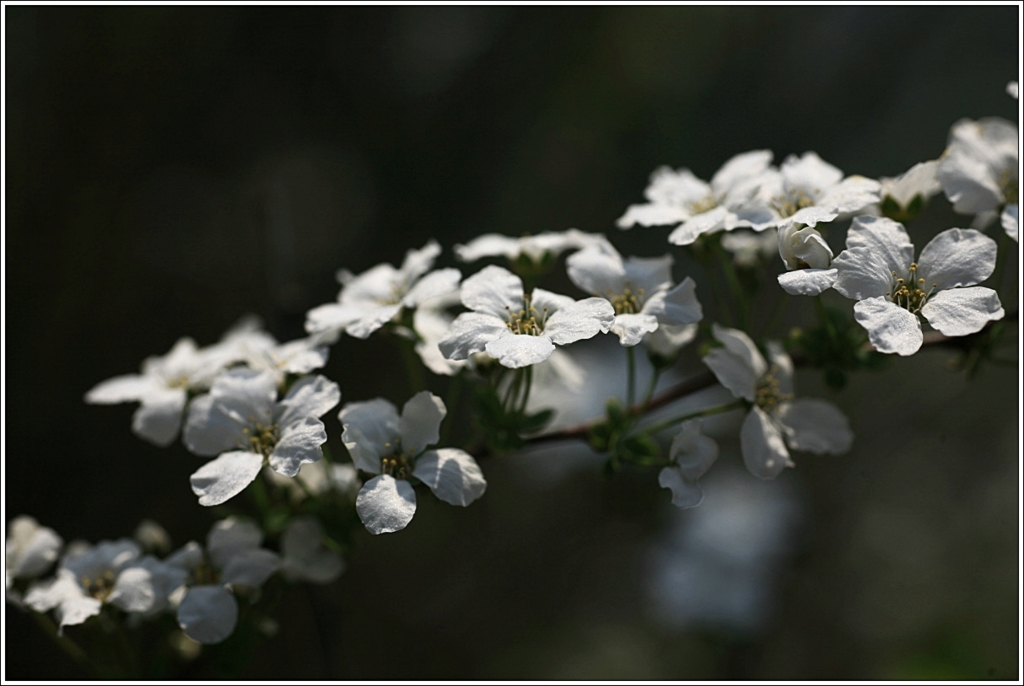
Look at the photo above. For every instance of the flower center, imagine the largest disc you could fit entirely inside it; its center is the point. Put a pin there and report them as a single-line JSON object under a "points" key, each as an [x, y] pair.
{"points": [[909, 293], [398, 464], [703, 205], [180, 381], [767, 393], [262, 438], [100, 586], [398, 290], [526, 322], [628, 302], [204, 574], [789, 204]]}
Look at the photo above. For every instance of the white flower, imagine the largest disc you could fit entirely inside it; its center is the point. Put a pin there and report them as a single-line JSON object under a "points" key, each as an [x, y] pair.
{"points": [[382, 442], [152, 537], [906, 195], [807, 257], [679, 197], [431, 320], [375, 297], [319, 478], [234, 562], [807, 190], [258, 350], [1009, 221], [93, 576], [878, 270], [639, 289], [775, 419], [692, 454], [30, 550], [979, 170], [1011, 89], [241, 412], [519, 329], [305, 557], [163, 387], [538, 248]]}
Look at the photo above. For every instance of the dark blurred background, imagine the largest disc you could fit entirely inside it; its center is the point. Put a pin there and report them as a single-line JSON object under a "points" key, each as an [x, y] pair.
{"points": [[170, 169]]}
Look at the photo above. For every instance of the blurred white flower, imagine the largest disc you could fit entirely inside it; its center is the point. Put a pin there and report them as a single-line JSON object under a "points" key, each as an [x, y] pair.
{"points": [[516, 328], [679, 197], [1011, 89], [775, 419], [304, 555], [368, 301], [692, 454], [878, 270], [538, 248], [241, 412], [394, 447], [749, 248], [233, 562], [30, 550], [640, 290], [905, 196]]}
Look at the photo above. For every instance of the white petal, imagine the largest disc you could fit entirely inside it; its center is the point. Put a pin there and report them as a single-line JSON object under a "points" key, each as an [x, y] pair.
{"points": [[962, 311], [804, 247], [579, 320], [76, 610], [386, 504], [246, 395], [692, 452], [520, 350], [370, 430], [332, 316], [230, 537], [208, 614], [811, 216], [134, 590], [649, 273], [250, 568], [220, 480], [1009, 220], [597, 271], [159, 422], [420, 423], [676, 306], [210, 431], [669, 338], [31, 548], [918, 180], [852, 194], [299, 444], [631, 328], [470, 333], [371, 319], [891, 329], [968, 179], [546, 303], [487, 245], [808, 281], [432, 285], [885, 237], [305, 557], [815, 426], [45, 596], [311, 396], [957, 257], [809, 173], [452, 474], [764, 451], [123, 389], [861, 273], [493, 290], [685, 494], [418, 262], [740, 168], [693, 228], [650, 214], [738, 365]]}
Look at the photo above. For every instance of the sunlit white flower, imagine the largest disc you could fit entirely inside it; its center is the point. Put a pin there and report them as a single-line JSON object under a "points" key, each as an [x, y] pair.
{"points": [[30, 550], [979, 170], [163, 386], [807, 257], [516, 328], [807, 190], [109, 572], [538, 248], [878, 270], [679, 197], [639, 289], [775, 419], [692, 454], [368, 301], [905, 196], [233, 563], [394, 447], [242, 421], [305, 557]]}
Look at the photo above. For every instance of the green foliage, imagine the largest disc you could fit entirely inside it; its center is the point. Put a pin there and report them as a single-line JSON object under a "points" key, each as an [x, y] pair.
{"points": [[836, 346]]}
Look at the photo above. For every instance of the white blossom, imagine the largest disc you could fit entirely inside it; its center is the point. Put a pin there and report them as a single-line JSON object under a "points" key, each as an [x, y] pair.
{"points": [[979, 170], [30, 550], [393, 447], [639, 289], [516, 328], [1011, 89], [878, 270], [749, 248], [916, 185], [692, 454], [679, 197], [304, 555], [368, 301], [775, 419], [808, 258], [242, 421], [537, 248], [318, 478], [233, 563]]}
